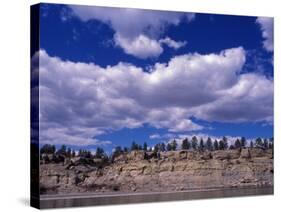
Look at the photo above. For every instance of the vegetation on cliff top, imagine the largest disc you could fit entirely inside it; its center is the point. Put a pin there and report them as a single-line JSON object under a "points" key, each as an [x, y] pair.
{"points": [[186, 144]]}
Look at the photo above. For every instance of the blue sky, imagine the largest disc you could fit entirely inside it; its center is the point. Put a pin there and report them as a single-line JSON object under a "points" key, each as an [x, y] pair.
{"points": [[109, 76]]}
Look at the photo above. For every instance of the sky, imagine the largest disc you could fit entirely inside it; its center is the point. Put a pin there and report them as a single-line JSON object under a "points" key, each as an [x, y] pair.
{"points": [[110, 76]]}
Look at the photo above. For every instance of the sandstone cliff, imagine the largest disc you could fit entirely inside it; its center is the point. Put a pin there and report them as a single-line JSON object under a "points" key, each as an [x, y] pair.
{"points": [[169, 171]]}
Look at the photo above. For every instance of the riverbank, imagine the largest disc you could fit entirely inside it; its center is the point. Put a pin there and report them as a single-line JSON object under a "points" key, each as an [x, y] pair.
{"points": [[171, 171]]}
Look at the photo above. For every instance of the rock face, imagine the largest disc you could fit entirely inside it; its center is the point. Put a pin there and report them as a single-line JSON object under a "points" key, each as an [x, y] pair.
{"points": [[172, 171]]}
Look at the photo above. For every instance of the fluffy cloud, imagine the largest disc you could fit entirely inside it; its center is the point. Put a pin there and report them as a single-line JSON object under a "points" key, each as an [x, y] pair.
{"points": [[173, 44], [136, 31], [69, 135], [79, 101], [144, 47], [266, 25], [132, 22], [166, 136], [154, 136], [141, 46], [251, 98]]}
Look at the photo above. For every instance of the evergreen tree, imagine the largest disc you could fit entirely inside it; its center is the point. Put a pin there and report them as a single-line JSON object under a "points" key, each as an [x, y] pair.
{"points": [[169, 147], [231, 147], [88, 154], [216, 145], [265, 143], [156, 148], [209, 144], [194, 142], [162, 147], [48, 149], [118, 150], [174, 145], [73, 154], [145, 146], [251, 144], [259, 142], [221, 145], [53, 149], [225, 143], [99, 153], [237, 144], [201, 145], [62, 150], [84, 153], [270, 144], [185, 144], [134, 146], [243, 142]]}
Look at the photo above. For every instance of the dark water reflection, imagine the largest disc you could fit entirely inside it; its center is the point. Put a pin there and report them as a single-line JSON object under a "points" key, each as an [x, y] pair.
{"points": [[55, 201]]}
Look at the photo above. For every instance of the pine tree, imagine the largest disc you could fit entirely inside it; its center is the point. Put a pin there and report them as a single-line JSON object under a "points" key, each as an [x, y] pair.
{"points": [[145, 146], [169, 147], [48, 149], [259, 142], [243, 142], [223, 143], [237, 144], [118, 150], [201, 145], [62, 150], [216, 145], [99, 153], [194, 142], [265, 143], [270, 145], [209, 144], [271, 141], [53, 149], [73, 154], [185, 144], [162, 147], [174, 145], [156, 148], [88, 154], [251, 144], [134, 146]]}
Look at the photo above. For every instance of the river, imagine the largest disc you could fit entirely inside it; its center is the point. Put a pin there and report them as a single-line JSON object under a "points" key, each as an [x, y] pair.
{"points": [[78, 200]]}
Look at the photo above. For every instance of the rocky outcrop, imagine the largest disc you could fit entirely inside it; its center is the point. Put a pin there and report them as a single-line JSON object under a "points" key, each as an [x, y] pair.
{"points": [[138, 171], [224, 155]]}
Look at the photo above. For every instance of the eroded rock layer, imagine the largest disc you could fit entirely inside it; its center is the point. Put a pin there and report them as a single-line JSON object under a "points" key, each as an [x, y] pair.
{"points": [[169, 171]]}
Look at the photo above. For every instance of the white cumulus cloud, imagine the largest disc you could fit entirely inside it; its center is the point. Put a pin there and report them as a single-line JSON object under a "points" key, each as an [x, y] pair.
{"points": [[79, 101], [137, 31], [266, 25], [140, 46], [172, 43]]}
